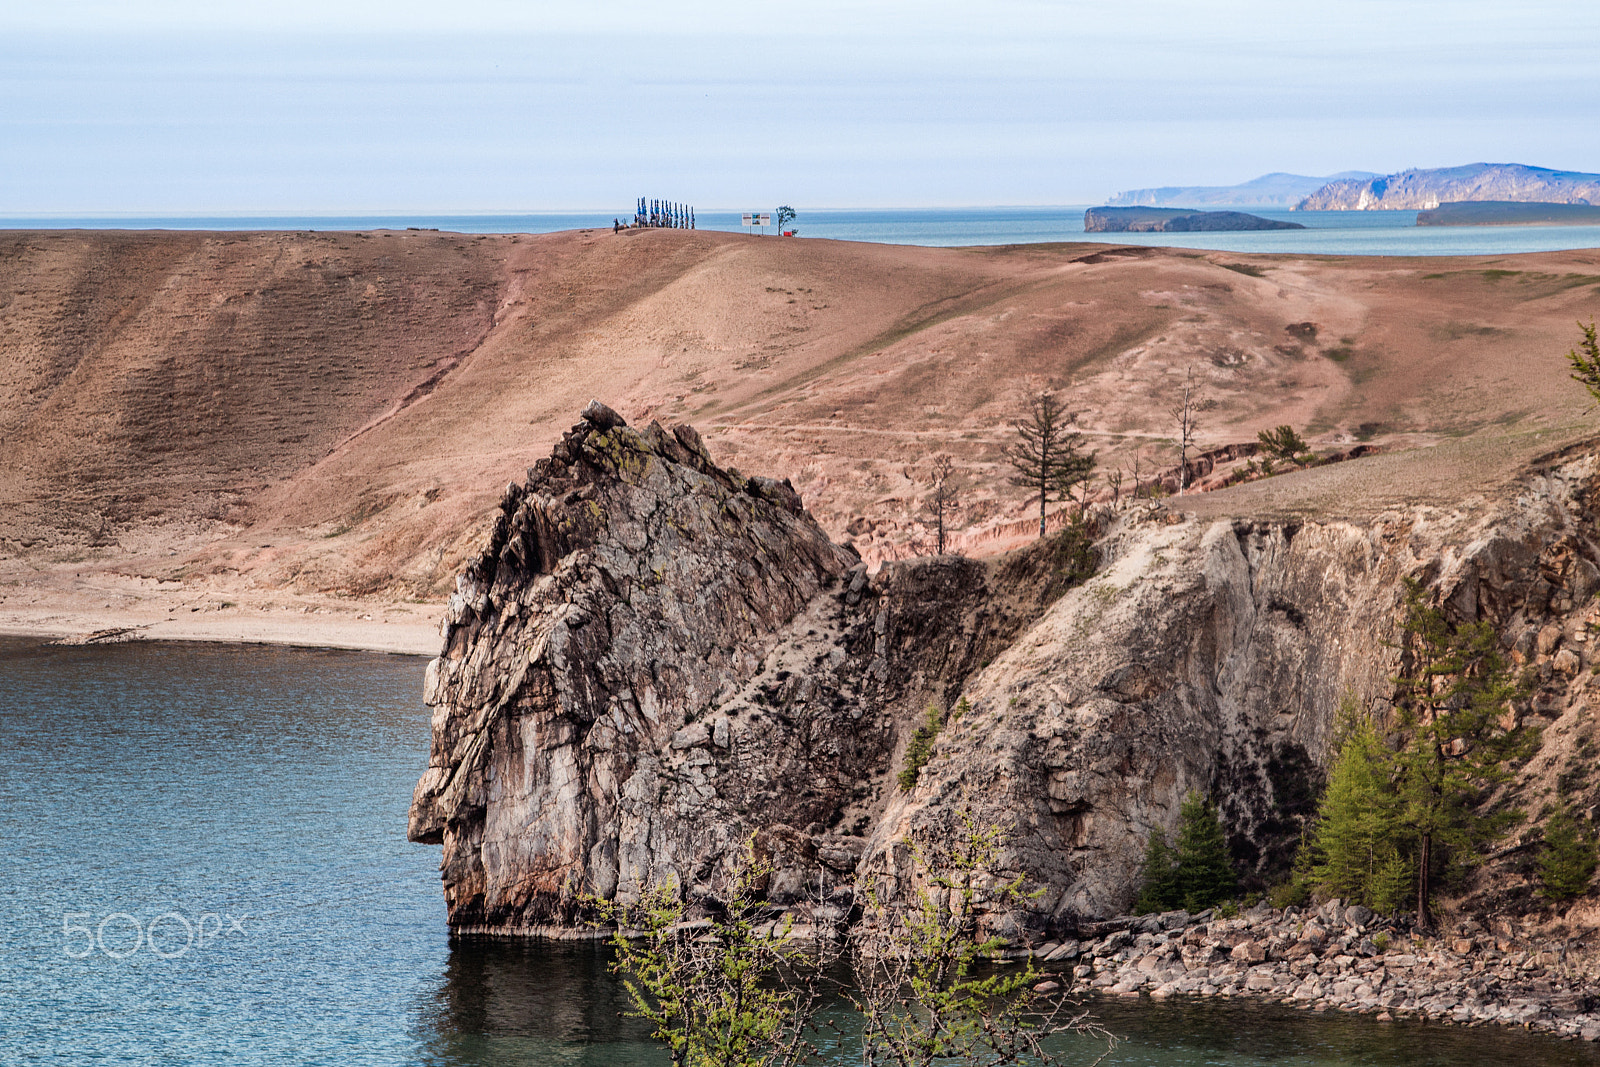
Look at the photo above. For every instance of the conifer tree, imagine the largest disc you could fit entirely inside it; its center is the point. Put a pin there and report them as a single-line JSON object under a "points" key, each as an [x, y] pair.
{"points": [[1585, 361], [1046, 456], [1568, 864], [1355, 840], [1205, 875], [1460, 740], [1158, 877]]}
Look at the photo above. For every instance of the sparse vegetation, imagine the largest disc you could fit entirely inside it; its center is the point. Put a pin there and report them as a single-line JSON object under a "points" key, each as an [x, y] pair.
{"points": [[736, 990], [923, 997], [943, 499], [1184, 414], [712, 990]]}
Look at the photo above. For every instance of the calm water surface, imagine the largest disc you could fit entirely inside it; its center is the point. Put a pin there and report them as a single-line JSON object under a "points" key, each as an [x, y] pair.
{"points": [[1367, 233], [205, 862]]}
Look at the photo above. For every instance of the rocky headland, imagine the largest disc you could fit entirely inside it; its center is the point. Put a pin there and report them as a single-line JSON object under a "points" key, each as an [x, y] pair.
{"points": [[1509, 213], [655, 660], [1175, 220], [1428, 189]]}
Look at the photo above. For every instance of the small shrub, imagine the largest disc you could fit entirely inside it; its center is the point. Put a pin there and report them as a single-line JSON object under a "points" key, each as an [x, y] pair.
{"points": [[1381, 941], [920, 748], [1294, 893]]}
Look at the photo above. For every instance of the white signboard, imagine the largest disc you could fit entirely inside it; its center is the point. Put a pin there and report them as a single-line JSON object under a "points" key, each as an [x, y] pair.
{"points": [[752, 218]]}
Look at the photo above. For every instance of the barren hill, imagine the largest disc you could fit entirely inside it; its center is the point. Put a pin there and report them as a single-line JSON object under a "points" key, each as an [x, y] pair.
{"points": [[314, 414]]}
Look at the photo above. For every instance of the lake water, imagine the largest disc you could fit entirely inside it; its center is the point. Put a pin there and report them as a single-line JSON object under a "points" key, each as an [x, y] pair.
{"points": [[1366, 233], [205, 862]]}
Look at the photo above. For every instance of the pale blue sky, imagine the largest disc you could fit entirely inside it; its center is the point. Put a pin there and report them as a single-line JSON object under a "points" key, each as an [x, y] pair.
{"points": [[180, 106]]}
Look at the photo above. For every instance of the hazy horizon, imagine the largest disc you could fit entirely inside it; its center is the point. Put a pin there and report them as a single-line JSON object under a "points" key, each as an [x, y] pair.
{"points": [[174, 107]]}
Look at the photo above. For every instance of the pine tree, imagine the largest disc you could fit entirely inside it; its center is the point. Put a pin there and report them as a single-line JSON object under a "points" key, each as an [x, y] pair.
{"points": [[1585, 362], [1205, 875], [1569, 860], [1460, 740], [1356, 830], [1158, 877], [1046, 454]]}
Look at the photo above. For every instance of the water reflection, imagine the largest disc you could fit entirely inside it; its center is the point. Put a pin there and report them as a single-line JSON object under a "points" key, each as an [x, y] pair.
{"points": [[504, 1002]]}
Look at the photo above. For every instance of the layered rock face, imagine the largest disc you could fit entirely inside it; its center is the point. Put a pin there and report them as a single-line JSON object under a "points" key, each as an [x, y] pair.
{"points": [[656, 660]]}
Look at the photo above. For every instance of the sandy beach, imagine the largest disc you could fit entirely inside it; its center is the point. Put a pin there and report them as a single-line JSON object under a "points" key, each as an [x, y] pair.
{"points": [[68, 606]]}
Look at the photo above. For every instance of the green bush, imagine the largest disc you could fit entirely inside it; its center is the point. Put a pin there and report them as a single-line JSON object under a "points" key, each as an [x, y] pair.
{"points": [[1294, 893], [1569, 859]]}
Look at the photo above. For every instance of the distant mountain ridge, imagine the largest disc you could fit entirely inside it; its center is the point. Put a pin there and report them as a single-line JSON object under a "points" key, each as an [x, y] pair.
{"points": [[1270, 190], [1423, 190]]}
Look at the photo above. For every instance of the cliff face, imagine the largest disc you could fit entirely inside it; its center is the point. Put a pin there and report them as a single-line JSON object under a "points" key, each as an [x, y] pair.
{"points": [[1270, 190], [1425, 189], [655, 659]]}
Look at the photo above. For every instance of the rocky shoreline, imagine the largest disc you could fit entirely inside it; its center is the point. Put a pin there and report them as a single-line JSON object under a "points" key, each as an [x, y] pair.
{"points": [[1332, 957]]}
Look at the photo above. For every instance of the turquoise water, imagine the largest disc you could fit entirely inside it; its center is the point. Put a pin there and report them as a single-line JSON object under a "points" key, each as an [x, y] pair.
{"points": [[1366, 233], [205, 862]]}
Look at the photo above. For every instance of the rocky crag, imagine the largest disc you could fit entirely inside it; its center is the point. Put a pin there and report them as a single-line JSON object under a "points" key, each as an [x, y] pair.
{"points": [[1423, 190], [655, 660]]}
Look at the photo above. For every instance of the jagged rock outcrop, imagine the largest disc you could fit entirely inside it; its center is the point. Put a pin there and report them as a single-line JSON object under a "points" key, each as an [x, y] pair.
{"points": [[655, 659], [1425, 189]]}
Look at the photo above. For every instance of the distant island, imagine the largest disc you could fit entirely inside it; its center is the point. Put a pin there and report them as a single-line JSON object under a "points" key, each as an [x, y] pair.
{"points": [[1424, 190], [1270, 190], [1175, 220], [1509, 213]]}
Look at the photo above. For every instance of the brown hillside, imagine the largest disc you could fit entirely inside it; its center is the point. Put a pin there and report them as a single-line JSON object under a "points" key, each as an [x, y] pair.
{"points": [[336, 413]]}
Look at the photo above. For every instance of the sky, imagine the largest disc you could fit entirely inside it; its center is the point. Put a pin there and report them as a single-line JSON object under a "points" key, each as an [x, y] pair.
{"points": [[372, 106]]}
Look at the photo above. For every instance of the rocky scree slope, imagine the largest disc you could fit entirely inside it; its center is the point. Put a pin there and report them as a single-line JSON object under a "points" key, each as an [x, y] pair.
{"points": [[656, 659]]}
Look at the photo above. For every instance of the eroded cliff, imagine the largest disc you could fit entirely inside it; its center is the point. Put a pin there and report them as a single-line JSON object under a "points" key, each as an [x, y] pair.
{"points": [[655, 659]]}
